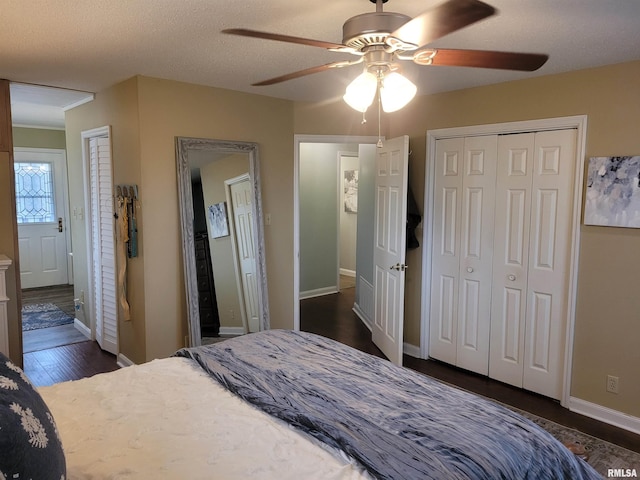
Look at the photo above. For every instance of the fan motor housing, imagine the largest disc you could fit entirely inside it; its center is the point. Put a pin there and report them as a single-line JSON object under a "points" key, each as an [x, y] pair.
{"points": [[369, 29]]}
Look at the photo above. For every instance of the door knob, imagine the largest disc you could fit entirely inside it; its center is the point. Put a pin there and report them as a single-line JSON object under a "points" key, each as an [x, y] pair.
{"points": [[401, 267], [512, 277], [60, 224], [469, 269]]}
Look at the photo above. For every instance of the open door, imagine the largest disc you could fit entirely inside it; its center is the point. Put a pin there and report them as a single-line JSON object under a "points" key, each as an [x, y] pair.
{"points": [[390, 246]]}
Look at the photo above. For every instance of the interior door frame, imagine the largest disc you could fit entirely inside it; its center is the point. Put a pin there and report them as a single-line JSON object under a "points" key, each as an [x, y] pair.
{"points": [[87, 135], [578, 122], [297, 140]]}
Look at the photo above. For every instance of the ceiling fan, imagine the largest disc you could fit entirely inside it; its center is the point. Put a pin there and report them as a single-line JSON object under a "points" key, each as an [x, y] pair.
{"points": [[379, 39]]}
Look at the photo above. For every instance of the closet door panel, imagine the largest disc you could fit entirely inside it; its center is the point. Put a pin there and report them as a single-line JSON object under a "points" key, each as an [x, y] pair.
{"points": [[511, 258], [445, 250], [476, 232], [552, 205]]}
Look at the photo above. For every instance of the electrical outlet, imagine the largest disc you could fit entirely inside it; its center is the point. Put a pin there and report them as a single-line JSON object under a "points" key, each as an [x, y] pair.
{"points": [[612, 384]]}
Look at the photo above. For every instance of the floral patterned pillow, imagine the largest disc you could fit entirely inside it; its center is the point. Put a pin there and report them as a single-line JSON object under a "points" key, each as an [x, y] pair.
{"points": [[29, 444]]}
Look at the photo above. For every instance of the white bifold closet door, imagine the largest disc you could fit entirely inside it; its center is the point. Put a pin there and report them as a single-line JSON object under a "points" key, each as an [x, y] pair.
{"points": [[534, 194], [105, 309], [501, 243], [462, 246]]}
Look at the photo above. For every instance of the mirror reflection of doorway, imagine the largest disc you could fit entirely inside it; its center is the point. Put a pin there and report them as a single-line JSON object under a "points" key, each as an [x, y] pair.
{"points": [[225, 244]]}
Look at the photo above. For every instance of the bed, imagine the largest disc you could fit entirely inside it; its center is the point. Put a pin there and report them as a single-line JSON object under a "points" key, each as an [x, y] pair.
{"points": [[291, 405]]}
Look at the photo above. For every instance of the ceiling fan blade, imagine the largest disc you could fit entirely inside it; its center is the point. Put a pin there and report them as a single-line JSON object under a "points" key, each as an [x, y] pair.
{"points": [[244, 32], [307, 71], [526, 62], [442, 20]]}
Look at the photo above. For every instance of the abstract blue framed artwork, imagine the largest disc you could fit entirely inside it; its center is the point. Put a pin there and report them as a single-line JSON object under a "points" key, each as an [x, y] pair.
{"points": [[613, 194]]}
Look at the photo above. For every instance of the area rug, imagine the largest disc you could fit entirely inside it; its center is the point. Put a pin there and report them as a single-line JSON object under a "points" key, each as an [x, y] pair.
{"points": [[602, 455], [43, 315]]}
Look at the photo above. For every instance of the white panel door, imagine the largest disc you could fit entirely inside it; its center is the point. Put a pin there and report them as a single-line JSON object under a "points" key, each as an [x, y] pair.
{"points": [[476, 253], [465, 175], [40, 196], [390, 246], [530, 271], [511, 257], [449, 160], [105, 308], [241, 196], [550, 246]]}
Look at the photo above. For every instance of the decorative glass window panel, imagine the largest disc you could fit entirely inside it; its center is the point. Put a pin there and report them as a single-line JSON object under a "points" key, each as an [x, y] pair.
{"points": [[34, 192]]}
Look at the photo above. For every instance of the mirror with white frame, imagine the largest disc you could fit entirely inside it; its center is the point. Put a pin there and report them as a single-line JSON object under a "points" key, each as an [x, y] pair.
{"points": [[222, 237]]}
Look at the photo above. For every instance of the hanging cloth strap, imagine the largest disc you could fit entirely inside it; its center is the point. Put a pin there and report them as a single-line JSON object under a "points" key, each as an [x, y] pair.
{"points": [[122, 237]]}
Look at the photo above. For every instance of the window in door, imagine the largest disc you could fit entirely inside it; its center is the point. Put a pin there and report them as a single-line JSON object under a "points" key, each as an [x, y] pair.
{"points": [[35, 199]]}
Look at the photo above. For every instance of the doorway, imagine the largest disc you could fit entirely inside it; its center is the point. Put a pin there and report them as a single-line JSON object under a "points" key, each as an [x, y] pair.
{"points": [[42, 210], [326, 277], [43, 214]]}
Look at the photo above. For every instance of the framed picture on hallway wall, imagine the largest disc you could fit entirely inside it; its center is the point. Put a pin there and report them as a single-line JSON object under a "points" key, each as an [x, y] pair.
{"points": [[218, 220], [612, 193], [351, 191]]}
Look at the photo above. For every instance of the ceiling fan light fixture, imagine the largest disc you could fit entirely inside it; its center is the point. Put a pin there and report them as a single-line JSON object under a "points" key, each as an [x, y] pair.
{"points": [[361, 91], [396, 91]]}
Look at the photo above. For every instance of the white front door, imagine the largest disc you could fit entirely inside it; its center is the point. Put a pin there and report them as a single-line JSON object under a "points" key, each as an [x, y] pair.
{"points": [[241, 198], [40, 176], [392, 162]]}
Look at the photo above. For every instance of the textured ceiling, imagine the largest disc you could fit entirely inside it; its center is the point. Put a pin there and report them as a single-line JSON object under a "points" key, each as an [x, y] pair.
{"points": [[93, 44]]}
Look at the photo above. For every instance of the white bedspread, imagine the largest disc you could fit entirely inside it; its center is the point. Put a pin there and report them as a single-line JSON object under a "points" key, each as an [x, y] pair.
{"points": [[167, 419]]}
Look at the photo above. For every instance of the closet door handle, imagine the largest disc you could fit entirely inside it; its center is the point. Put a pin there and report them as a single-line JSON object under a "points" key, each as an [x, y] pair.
{"points": [[512, 277]]}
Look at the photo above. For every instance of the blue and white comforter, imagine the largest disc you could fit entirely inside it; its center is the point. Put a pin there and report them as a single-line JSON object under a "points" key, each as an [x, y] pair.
{"points": [[397, 423]]}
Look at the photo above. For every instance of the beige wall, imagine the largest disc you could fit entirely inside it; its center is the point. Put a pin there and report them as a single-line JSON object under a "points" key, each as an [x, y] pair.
{"points": [[38, 138], [607, 330], [117, 107], [170, 109], [146, 115]]}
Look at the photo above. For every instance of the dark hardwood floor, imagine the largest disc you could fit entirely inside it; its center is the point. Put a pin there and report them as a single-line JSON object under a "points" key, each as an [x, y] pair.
{"points": [[68, 362], [332, 316]]}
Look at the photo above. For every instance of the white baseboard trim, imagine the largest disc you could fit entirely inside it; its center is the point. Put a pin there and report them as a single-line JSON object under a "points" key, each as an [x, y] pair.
{"points": [[361, 315], [86, 331], [411, 350], [231, 331], [123, 361], [348, 273], [407, 348], [605, 414], [318, 292]]}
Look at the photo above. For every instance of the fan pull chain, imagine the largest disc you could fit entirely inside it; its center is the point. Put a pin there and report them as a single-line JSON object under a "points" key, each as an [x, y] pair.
{"points": [[379, 144]]}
